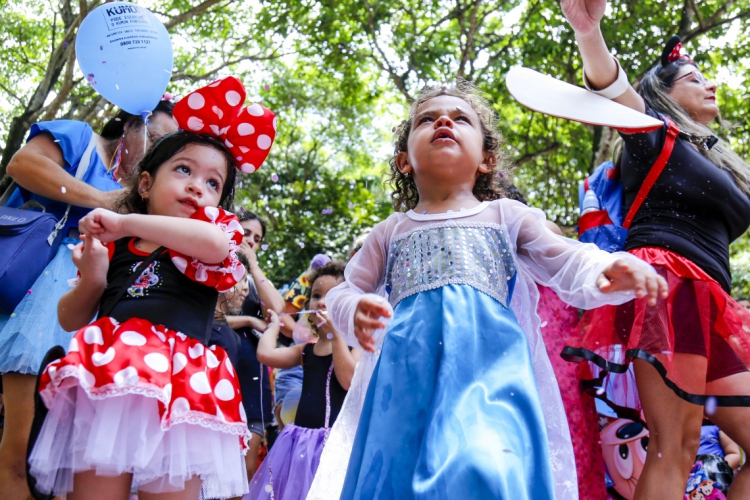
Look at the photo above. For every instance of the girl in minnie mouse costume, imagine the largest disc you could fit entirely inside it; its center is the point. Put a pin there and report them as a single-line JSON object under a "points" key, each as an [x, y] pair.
{"points": [[140, 401]]}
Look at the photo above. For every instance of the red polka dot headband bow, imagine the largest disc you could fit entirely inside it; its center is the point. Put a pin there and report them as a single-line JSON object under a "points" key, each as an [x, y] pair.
{"points": [[217, 110]]}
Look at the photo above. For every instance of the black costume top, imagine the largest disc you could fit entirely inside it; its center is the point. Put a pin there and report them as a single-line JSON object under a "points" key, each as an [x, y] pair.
{"points": [[311, 412], [226, 338], [253, 383], [163, 285], [694, 209]]}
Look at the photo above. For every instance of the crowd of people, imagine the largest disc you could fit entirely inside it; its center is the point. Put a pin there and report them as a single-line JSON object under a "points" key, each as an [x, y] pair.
{"points": [[152, 356]]}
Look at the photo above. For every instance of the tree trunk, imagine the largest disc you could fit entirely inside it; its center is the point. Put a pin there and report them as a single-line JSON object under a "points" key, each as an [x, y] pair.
{"points": [[604, 143]]}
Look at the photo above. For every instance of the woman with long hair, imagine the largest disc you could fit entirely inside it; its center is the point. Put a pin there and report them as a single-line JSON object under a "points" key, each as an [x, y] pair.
{"points": [[45, 171], [691, 351]]}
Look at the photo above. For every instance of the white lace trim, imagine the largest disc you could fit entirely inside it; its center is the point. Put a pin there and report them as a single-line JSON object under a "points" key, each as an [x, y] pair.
{"points": [[453, 214], [150, 391]]}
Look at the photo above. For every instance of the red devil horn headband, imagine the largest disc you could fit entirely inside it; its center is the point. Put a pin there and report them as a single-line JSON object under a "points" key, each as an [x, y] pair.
{"points": [[217, 110]]}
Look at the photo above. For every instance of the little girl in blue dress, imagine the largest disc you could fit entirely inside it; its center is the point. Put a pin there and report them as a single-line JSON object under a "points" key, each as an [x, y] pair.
{"points": [[462, 402]]}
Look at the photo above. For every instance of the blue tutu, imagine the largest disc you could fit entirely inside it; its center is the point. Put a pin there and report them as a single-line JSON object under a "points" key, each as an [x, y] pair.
{"points": [[32, 329]]}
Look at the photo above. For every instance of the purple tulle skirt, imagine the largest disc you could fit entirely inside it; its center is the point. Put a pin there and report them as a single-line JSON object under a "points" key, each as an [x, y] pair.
{"points": [[290, 466]]}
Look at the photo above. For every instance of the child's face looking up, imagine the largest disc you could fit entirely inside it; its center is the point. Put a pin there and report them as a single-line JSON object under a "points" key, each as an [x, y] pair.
{"points": [[189, 180], [446, 142], [319, 291]]}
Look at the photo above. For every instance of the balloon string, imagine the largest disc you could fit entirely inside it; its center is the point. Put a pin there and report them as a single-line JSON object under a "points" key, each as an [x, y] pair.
{"points": [[146, 115], [116, 158]]}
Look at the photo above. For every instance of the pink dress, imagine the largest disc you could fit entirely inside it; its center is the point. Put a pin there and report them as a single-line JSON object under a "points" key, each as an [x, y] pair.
{"points": [[558, 322]]}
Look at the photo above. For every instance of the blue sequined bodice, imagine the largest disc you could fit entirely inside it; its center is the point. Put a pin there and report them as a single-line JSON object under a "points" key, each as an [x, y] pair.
{"points": [[470, 253]]}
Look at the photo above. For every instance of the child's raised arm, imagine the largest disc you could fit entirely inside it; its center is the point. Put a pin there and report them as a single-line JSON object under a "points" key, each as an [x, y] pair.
{"points": [[78, 306], [203, 241], [277, 357]]}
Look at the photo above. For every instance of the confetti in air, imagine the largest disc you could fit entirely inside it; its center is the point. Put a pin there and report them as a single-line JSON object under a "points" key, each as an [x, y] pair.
{"points": [[63, 190], [264, 247], [274, 178], [711, 405]]}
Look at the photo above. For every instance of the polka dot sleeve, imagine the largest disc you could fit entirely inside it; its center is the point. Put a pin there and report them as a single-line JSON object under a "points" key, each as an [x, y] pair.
{"points": [[224, 275]]}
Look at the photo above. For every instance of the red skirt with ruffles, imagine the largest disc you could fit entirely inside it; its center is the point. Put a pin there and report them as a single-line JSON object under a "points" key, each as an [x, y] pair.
{"points": [[697, 317], [146, 400]]}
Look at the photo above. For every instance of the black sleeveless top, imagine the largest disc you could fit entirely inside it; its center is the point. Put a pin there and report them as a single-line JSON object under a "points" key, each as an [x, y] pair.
{"points": [[694, 209], [161, 295], [311, 412]]}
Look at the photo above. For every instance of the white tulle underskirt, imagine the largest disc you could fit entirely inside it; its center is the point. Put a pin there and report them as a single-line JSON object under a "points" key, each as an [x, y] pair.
{"points": [[122, 435]]}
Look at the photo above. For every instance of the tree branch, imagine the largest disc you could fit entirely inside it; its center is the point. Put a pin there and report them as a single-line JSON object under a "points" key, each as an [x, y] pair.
{"points": [[700, 31], [537, 154], [211, 72], [188, 14], [385, 65]]}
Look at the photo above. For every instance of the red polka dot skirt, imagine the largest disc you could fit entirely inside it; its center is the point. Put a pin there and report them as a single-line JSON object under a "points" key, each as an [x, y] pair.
{"points": [[142, 399]]}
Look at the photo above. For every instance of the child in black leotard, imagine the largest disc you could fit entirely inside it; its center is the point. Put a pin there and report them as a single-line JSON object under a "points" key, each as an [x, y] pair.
{"points": [[328, 367], [141, 399]]}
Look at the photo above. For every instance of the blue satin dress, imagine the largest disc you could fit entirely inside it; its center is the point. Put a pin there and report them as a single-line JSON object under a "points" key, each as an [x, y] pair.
{"points": [[452, 410]]}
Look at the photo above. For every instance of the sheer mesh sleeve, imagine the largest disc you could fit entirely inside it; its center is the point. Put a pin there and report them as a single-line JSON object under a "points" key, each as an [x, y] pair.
{"points": [[365, 276], [224, 275], [569, 267]]}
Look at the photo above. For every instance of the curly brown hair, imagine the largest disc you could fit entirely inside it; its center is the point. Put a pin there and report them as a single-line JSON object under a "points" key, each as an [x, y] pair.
{"points": [[333, 268], [404, 195]]}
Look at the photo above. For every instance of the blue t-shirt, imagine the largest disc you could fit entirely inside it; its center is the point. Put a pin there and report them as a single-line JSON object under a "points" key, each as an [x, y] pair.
{"points": [[710, 443], [73, 137]]}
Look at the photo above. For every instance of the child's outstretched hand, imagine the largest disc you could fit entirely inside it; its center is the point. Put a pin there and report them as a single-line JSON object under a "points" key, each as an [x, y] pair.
{"points": [[621, 276], [91, 258], [273, 319], [103, 225], [367, 320]]}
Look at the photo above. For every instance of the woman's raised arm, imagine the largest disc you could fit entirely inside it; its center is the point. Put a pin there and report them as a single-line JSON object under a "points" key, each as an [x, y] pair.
{"points": [[601, 70]]}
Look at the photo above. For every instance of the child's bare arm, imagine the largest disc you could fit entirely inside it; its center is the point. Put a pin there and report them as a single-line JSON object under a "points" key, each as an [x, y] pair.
{"points": [[204, 241], [731, 450], [277, 357], [78, 306], [344, 360]]}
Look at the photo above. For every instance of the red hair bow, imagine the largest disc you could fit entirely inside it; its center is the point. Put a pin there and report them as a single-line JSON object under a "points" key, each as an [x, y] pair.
{"points": [[216, 110]]}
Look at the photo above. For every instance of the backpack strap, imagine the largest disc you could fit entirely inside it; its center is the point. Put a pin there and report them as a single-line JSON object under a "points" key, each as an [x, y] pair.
{"points": [[655, 172], [83, 166]]}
